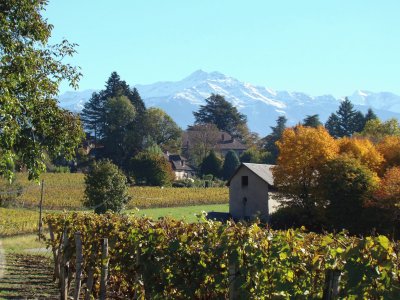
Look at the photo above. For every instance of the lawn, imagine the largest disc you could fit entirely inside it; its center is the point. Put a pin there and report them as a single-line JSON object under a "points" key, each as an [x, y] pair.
{"points": [[188, 213]]}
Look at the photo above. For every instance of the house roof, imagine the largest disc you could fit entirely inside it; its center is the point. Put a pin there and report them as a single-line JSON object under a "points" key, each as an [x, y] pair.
{"points": [[178, 162], [261, 170]]}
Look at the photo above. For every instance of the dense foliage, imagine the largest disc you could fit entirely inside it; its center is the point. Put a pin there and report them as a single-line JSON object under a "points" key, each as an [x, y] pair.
{"points": [[223, 114], [169, 259], [151, 169], [105, 187], [31, 123]]}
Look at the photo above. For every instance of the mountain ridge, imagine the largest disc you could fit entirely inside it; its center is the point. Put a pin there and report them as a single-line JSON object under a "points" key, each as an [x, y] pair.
{"points": [[261, 105]]}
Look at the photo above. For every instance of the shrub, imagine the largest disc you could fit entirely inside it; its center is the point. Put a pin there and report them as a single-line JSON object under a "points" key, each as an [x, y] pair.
{"points": [[106, 187]]}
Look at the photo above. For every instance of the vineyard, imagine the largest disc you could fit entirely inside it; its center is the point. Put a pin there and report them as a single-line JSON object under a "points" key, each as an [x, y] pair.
{"points": [[169, 259], [66, 191], [18, 221]]}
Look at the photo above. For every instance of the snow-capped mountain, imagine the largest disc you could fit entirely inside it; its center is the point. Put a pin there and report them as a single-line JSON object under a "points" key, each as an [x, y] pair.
{"points": [[261, 105]]}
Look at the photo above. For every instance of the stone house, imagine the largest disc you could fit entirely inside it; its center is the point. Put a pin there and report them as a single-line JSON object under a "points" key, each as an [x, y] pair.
{"points": [[250, 190]]}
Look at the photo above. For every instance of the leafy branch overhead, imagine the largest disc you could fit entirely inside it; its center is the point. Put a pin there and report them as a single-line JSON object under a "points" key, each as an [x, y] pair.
{"points": [[31, 123]]}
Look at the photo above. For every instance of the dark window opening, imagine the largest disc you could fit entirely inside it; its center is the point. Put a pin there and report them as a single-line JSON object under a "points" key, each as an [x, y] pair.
{"points": [[245, 180]]}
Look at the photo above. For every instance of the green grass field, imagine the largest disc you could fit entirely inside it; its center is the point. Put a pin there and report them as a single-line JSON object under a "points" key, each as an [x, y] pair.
{"points": [[188, 213]]}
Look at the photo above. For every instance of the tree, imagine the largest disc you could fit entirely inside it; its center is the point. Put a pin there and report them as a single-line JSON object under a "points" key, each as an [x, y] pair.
{"points": [[231, 163], [163, 130], [303, 152], [119, 113], [201, 140], [346, 121], [271, 139], [223, 114], [362, 150], [346, 185], [370, 115], [376, 130], [389, 147], [152, 169], [211, 165], [312, 121], [254, 155], [31, 123], [105, 187], [388, 194]]}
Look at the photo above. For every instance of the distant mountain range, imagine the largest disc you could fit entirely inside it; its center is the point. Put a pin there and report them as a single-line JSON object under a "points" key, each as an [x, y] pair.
{"points": [[261, 105]]}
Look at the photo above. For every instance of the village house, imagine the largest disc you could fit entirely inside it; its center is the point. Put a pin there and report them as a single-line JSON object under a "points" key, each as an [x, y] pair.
{"points": [[180, 167], [250, 190]]}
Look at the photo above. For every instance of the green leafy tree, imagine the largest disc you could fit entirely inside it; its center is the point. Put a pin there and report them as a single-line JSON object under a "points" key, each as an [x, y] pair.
{"points": [[271, 139], [223, 114], [119, 114], [152, 169], [376, 130], [31, 123], [346, 185], [312, 121], [231, 163], [211, 165], [346, 121], [163, 130], [255, 155], [105, 187]]}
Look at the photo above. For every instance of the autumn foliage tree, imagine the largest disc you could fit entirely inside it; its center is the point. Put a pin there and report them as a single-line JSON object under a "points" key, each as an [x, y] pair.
{"points": [[389, 147], [363, 150], [303, 151]]}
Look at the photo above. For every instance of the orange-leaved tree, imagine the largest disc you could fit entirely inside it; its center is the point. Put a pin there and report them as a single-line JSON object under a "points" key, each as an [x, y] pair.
{"points": [[388, 194], [389, 147], [303, 151], [362, 150]]}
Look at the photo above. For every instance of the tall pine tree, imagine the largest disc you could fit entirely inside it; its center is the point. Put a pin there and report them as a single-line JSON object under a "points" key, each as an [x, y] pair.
{"points": [[223, 114], [346, 121], [272, 138]]}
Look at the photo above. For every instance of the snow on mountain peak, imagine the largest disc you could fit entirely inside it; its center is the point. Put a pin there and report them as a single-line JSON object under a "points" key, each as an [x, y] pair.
{"points": [[261, 105]]}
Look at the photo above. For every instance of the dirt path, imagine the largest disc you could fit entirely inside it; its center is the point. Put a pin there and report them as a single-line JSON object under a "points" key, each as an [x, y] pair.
{"points": [[27, 276]]}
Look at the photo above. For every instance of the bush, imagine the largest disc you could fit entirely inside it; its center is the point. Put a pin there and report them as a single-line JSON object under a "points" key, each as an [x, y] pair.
{"points": [[151, 169], [106, 187]]}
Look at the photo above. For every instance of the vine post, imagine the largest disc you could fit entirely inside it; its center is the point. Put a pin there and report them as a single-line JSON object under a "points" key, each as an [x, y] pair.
{"points": [[104, 269]]}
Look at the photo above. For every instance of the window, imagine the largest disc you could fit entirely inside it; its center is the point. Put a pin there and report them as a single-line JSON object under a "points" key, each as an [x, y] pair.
{"points": [[245, 180]]}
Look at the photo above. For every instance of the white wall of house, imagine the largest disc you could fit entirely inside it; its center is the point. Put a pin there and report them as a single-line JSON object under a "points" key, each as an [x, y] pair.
{"points": [[249, 201]]}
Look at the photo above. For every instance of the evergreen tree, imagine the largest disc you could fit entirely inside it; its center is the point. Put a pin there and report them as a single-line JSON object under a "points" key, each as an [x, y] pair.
{"points": [[275, 136], [370, 115], [93, 115], [332, 125], [223, 114], [211, 165], [346, 121], [231, 163], [101, 115], [312, 121]]}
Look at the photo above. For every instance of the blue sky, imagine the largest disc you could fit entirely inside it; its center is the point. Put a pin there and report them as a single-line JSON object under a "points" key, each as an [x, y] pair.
{"points": [[314, 46]]}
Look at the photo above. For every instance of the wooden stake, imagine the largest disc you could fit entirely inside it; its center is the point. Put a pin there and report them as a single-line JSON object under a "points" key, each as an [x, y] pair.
{"points": [[40, 209], [64, 268], [331, 288], [56, 274], [78, 263], [104, 269]]}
